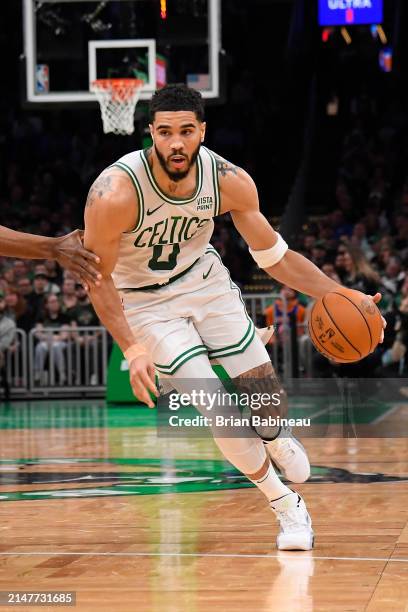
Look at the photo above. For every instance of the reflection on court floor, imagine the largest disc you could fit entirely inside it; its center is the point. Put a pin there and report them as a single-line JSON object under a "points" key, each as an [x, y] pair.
{"points": [[94, 502]]}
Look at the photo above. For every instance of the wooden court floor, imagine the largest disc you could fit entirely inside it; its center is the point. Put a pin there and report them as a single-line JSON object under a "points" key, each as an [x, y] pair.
{"points": [[92, 501]]}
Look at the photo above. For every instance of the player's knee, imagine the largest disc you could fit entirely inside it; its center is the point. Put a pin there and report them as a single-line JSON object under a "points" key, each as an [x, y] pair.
{"points": [[262, 381]]}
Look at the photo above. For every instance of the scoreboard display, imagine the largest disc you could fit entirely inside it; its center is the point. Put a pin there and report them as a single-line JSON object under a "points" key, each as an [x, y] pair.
{"points": [[350, 12]]}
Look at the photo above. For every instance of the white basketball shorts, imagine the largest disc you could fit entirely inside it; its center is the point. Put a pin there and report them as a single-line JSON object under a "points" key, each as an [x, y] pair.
{"points": [[202, 312]]}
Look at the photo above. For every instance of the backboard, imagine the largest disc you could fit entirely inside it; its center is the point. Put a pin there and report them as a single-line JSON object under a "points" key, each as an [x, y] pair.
{"points": [[70, 43]]}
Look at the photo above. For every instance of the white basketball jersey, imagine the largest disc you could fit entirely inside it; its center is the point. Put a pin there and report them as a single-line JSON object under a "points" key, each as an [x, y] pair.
{"points": [[171, 233]]}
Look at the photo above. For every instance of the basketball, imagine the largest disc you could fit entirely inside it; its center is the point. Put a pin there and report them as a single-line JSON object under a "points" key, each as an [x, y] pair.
{"points": [[186, 201], [345, 326]]}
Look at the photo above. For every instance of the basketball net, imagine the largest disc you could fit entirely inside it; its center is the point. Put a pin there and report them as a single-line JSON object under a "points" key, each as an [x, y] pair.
{"points": [[117, 99]]}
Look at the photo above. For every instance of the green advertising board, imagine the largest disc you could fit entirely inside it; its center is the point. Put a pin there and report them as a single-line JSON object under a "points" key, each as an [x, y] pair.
{"points": [[118, 389]]}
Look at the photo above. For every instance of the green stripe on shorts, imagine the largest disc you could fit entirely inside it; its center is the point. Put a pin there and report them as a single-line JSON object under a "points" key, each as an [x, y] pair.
{"points": [[238, 347], [180, 359], [234, 349]]}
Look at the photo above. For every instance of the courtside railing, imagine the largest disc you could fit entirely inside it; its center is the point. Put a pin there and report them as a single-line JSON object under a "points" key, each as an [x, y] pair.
{"points": [[73, 361], [68, 360], [16, 364], [279, 347]]}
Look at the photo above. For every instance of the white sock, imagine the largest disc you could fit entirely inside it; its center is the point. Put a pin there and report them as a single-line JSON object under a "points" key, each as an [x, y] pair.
{"points": [[249, 456], [271, 485], [247, 453]]}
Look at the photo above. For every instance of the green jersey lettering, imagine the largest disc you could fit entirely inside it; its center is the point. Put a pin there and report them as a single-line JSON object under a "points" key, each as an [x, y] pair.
{"points": [[183, 225], [170, 231], [137, 241], [202, 223], [190, 222], [161, 239], [155, 233], [173, 229], [168, 264]]}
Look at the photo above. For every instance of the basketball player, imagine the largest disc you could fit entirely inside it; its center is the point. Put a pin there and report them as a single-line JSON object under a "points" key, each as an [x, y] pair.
{"points": [[66, 250], [166, 297]]}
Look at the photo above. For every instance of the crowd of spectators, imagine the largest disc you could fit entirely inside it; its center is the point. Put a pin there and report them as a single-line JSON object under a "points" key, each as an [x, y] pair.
{"points": [[41, 297], [27, 291], [46, 169], [362, 239]]}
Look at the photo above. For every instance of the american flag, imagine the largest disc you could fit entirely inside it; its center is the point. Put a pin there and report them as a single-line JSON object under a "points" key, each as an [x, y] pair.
{"points": [[198, 81]]}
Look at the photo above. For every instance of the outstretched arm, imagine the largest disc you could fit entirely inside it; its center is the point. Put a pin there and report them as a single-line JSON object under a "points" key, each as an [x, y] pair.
{"points": [[239, 196], [293, 269], [110, 211], [26, 246], [67, 250]]}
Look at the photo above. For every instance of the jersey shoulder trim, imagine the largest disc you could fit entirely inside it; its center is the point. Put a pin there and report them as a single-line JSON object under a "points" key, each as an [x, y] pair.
{"points": [[166, 198], [216, 183], [133, 177]]}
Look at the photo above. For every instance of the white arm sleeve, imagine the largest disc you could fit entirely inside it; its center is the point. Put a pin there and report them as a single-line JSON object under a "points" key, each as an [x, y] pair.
{"points": [[272, 256]]}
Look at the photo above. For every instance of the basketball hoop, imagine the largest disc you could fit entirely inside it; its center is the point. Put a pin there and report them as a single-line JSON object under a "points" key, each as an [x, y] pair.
{"points": [[117, 99]]}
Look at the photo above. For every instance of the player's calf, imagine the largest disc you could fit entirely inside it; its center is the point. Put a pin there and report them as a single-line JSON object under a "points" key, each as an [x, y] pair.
{"points": [[286, 452]]}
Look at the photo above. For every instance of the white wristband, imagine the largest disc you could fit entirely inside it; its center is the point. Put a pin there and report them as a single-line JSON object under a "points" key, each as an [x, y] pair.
{"points": [[272, 256], [135, 350]]}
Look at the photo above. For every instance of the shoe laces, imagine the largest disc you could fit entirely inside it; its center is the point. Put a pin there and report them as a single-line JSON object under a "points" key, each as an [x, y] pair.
{"points": [[291, 520]]}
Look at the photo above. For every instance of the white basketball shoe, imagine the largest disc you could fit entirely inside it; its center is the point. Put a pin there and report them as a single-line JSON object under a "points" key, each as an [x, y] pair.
{"points": [[289, 456], [296, 531]]}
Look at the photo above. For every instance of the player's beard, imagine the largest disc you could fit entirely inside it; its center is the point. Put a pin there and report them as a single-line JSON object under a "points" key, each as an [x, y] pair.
{"points": [[177, 176]]}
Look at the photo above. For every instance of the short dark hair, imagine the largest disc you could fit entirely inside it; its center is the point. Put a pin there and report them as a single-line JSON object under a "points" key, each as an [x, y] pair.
{"points": [[177, 97]]}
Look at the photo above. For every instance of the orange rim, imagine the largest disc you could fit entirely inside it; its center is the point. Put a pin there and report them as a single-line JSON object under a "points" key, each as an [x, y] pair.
{"points": [[121, 88]]}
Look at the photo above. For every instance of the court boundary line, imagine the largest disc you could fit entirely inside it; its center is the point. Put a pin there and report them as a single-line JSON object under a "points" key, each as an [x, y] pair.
{"points": [[387, 413], [330, 409], [296, 557]]}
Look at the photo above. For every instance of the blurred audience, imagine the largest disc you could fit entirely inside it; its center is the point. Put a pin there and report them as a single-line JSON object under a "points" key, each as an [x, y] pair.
{"points": [[7, 335], [69, 298], [51, 343], [360, 238], [289, 303], [358, 273]]}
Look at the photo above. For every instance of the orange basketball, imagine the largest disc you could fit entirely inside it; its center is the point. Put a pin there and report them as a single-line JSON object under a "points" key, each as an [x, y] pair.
{"points": [[345, 325]]}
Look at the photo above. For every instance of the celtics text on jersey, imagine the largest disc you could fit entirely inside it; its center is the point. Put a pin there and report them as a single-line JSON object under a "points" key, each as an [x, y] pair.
{"points": [[171, 233]]}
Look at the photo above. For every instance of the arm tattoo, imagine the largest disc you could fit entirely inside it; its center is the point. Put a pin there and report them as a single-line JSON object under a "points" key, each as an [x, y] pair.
{"points": [[101, 186], [223, 166], [262, 372]]}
